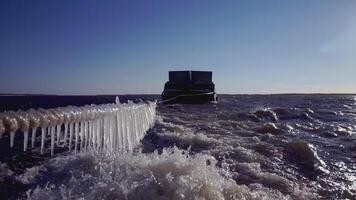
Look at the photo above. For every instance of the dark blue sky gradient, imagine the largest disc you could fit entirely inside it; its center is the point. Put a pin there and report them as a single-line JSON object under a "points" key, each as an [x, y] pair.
{"points": [[118, 47]]}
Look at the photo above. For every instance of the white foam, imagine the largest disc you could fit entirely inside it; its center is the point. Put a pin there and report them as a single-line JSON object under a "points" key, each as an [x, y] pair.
{"points": [[170, 175], [184, 135], [5, 171], [30, 174]]}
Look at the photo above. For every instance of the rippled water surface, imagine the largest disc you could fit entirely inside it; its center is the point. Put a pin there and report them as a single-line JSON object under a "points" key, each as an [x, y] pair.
{"points": [[243, 147]]}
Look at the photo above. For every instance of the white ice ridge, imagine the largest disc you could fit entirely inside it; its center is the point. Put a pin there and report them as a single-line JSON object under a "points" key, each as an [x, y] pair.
{"points": [[108, 127]]}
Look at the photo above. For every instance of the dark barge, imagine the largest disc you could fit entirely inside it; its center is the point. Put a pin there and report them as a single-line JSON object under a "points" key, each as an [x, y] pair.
{"points": [[191, 87]]}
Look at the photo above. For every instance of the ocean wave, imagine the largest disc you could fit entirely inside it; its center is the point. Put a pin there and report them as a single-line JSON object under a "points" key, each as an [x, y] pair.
{"points": [[251, 174], [269, 128], [173, 174], [306, 157], [266, 114], [5, 171], [294, 113], [328, 130], [243, 117], [170, 134], [30, 174], [244, 146]]}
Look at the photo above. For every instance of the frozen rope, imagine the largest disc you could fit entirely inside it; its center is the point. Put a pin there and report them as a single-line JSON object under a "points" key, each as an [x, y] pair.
{"points": [[106, 127]]}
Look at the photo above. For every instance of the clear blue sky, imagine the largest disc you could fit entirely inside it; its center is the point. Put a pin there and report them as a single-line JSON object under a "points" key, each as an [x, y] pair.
{"points": [[119, 47]]}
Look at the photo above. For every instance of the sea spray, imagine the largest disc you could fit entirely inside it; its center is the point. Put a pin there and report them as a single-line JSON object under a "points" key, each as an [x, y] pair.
{"points": [[172, 174]]}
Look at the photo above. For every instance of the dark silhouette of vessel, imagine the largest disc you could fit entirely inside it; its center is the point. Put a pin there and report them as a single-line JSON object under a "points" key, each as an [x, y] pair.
{"points": [[191, 87]]}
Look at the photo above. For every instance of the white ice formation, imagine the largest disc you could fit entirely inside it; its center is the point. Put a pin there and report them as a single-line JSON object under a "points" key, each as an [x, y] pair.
{"points": [[108, 127]]}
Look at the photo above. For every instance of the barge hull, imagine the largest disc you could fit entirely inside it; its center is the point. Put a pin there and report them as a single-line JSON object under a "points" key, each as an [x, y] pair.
{"points": [[189, 98]]}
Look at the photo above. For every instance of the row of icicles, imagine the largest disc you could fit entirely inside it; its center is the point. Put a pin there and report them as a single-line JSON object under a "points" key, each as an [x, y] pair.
{"points": [[108, 127]]}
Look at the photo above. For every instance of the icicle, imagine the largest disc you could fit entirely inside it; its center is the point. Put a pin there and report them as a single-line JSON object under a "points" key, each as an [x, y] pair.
{"points": [[76, 131], [132, 131], [2, 127], [12, 138], [65, 134], [123, 129], [114, 129], [91, 132], [43, 132], [25, 140], [11, 125], [128, 131], [97, 126], [58, 127], [116, 133], [102, 133], [146, 119], [105, 133], [70, 135], [100, 136], [33, 137], [60, 121], [86, 136], [134, 117], [139, 123], [95, 138], [88, 132], [119, 136], [82, 135], [117, 100], [111, 134], [52, 140], [96, 132]]}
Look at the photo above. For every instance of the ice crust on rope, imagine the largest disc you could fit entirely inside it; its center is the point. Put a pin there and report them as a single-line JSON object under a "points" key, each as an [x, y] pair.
{"points": [[107, 128]]}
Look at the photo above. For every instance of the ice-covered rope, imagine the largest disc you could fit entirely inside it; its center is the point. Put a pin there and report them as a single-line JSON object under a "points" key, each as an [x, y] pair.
{"points": [[106, 127]]}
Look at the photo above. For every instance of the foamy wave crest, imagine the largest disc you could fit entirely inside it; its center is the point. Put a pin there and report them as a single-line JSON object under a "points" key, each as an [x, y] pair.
{"points": [[251, 173], [5, 171], [173, 174], [181, 136], [266, 113], [30, 174], [306, 157], [293, 113]]}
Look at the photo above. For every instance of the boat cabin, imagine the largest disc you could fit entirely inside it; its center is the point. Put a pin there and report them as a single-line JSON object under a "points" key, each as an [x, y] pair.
{"points": [[189, 87]]}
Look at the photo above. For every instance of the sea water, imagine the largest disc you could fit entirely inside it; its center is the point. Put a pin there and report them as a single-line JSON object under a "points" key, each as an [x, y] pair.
{"points": [[243, 147]]}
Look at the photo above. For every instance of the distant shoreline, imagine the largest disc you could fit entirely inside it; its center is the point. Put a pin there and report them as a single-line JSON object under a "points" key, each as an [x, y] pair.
{"points": [[160, 94]]}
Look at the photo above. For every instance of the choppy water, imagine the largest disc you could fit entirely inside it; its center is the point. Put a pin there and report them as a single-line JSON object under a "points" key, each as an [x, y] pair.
{"points": [[243, 147]]}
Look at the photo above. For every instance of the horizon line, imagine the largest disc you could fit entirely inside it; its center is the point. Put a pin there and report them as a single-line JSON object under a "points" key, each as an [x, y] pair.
{"points": [[132, 94]]}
